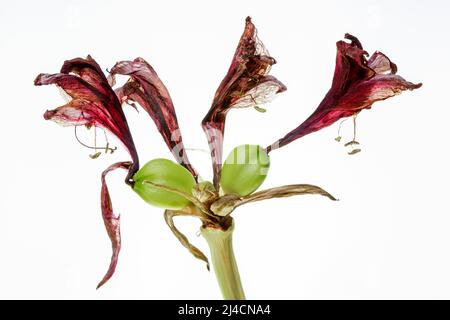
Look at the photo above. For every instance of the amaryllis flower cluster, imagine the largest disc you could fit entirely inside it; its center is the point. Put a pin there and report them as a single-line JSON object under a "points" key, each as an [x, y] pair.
{"points": [[358, 82]]}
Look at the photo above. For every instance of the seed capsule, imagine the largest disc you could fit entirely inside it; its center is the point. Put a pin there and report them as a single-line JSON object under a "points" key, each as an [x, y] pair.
{"points": [[165, 173], [244, 170]]}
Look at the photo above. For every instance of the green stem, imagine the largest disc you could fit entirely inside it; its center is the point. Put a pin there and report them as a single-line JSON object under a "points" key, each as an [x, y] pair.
{"points": [[221, 246]]}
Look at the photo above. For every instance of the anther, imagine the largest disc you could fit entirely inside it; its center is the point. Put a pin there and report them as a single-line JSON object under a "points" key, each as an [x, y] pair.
{"points": [[354, 151], [107, 148]]}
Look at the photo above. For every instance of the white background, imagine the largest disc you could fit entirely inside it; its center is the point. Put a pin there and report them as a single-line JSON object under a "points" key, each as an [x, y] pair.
{"points": [[387, 237]]}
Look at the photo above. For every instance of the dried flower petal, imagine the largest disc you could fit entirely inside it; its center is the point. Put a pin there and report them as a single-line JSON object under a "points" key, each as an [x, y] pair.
{"points": [[168, 216], [247, 84], [357, 84], [111, 220], [93, 103], [226, 204], [147, 89]]}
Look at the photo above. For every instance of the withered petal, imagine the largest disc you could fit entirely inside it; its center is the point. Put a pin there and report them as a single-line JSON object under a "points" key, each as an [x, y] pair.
{"points": [[226, 204], [381, 64], [147, 89], [286, 191], [89, 70], [168, 217], [246, 84], [111, 220]]}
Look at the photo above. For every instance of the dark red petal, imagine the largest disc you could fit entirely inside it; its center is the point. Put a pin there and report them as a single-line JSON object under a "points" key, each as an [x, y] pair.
{"points": [[111, 220], [246, 84], [381, 64], [88, 70], [357, 84], [147, 89], [351, 66], [93, 102], [74, 86]]}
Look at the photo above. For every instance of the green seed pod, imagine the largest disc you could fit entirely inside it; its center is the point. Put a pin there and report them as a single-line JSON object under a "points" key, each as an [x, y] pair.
{"points": [[165, 173], [245, 169]]}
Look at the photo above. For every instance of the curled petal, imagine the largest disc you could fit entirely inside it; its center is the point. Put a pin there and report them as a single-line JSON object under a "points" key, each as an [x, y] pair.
{"points": [[147, 89], [93, 103], [379, 87], [246, 84], [381, 64], [357, 84], [226, 204], [89, 70], [168, 216], [111, 220], [286, 191], [263, 93], [73, 86]]}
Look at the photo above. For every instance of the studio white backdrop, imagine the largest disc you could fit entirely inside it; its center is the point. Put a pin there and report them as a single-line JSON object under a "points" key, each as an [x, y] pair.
{"points": [[388, 236]]}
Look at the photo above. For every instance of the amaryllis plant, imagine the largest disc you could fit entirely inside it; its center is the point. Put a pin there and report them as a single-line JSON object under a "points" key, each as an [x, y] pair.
{"points": [[358, 82]]}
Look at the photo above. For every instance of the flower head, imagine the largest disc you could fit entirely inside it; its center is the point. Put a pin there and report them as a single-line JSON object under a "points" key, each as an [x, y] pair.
{"points": [[357, 84], [147, 89], [247, 84], [94, 102]]}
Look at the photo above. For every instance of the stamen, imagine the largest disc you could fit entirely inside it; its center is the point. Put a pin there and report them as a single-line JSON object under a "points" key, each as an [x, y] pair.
{"points": [[338, 138], [95, 147], [108, 148], [95, 155], [257, 108], [354, 126], [353, 142], [95, 138]]}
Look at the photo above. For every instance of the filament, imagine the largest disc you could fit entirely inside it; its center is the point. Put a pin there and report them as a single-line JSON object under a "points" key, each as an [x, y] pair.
{"points": [[95, 147]]}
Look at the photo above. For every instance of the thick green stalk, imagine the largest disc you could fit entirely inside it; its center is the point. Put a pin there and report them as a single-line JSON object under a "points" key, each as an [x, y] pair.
{"points": [[221, 246]]}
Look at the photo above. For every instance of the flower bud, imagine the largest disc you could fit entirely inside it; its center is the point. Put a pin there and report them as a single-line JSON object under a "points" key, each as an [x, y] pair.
{"points": [[244, 170], [166, 173]]}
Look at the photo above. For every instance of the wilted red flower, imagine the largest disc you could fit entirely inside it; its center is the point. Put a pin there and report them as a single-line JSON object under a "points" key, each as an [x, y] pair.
{"points": [[247, 84], [357, 84], [94, 103], [145, 88]]}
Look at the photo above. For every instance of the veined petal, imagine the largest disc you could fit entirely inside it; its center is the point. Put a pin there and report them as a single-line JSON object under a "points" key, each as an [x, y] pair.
{"points": [[246, 84], [381, 64], [379, 87], [89, 70], [147, 89], [111, 220], [357, 84]]}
